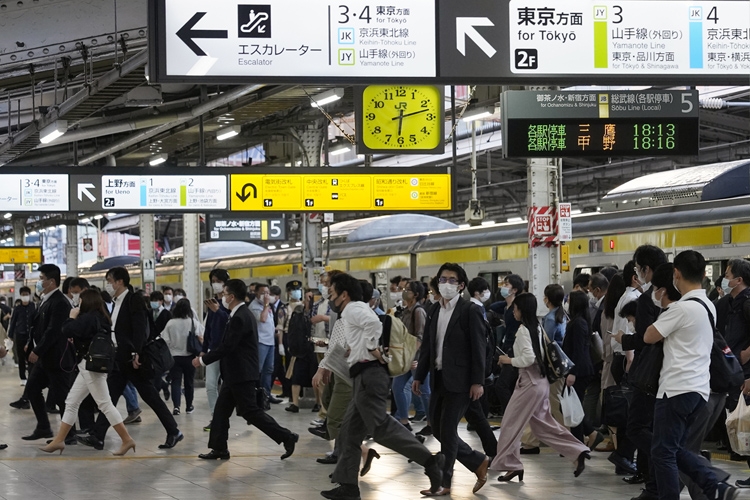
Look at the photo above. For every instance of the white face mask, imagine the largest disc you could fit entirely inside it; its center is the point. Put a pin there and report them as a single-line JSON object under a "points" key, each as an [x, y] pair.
{"points": [[168, 299], [109, 288], [323, 291], [76, 298], [224, 302], [217, 287], [25, 298], [395, 297], [178, 298], [485, 296], [657, 303], [448, 291], [641, 278], [725, 286]]}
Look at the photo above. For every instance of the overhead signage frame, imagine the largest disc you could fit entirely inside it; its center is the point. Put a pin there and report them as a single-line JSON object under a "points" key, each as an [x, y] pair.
{"points": [[21, 255], [665, 42]]}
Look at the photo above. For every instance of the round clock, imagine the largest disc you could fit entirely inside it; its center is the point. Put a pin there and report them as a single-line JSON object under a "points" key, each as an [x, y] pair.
{"points": [[402, 117]]}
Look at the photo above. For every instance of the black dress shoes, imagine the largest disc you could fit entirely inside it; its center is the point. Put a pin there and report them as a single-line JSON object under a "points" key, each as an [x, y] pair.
{"points": [[622, 463], [274, 400], [21, 404], [321, 432], [292, 408], [215, 455], [328, 460], [646, 495], [639, 478], [289, 444], [530, 451], [92, 441], [172, 441], [38, 434]]}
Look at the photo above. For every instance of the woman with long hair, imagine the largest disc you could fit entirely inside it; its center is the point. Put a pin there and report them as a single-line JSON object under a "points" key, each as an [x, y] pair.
{"points": [[529, 403], [84, 323], [175, 334], [614, 291]]}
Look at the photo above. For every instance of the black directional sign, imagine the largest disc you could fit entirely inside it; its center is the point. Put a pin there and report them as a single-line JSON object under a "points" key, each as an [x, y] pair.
{"points": [[85, 193], [232, 227]]}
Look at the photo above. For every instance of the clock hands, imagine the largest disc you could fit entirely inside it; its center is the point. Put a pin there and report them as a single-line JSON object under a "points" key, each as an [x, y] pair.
{"points": [[401, 114], [400, 120]]}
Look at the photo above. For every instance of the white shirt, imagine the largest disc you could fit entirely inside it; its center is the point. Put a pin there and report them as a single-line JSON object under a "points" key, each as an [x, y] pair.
{"points": [[444, 317], [523, 350], [338, 337], [688, 339], [362, 330], [118, 304], [266, 329], [175, 334], [622, 324]]}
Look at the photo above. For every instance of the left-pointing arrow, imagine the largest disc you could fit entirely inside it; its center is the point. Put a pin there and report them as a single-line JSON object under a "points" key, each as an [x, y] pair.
{"points": [[83, 190], [187, 34]]}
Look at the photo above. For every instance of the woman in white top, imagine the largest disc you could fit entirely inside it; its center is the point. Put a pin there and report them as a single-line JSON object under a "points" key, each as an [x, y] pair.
{"points": [[175, 334], [530, 401]]}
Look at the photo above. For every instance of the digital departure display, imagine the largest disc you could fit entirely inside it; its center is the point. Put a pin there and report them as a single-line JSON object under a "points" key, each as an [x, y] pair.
{"points": [[583, 137]]}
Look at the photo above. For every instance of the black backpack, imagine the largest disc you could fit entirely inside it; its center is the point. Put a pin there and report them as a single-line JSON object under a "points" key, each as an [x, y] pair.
{"points": [[100, 357], [194, 346], [298, 335]]}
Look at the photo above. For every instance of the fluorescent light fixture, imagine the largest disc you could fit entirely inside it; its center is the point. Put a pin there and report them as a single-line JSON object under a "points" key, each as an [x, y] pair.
{"points": [[488, 223], [53, 131], [515, 219], [157, 160], [327, 97], [575, 211], [339, 146], [8, 215], [33, 233], [98, 217], [298, 244], [227, 133], [464, 226], [85, 221], [61, 226], [111, 214], [285, 245], [272, 247]]}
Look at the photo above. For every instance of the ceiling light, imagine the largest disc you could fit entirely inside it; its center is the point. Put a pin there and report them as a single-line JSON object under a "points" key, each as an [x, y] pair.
{"points": [[575, 211], [488, 223], [111, 214], [515, 219], [85, 221], [53, 131], [298, 244], [326, 97], [8, 215], [157, 160], [477, 114], [33, 233], [285, 245], [339, 146], [61, 226], [227, 133], [98, 217], [272, 247], [42, 230]]}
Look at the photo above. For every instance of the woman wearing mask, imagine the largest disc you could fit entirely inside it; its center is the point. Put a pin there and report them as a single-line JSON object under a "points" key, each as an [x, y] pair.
{"points": [[577, 345], [175, 334], [216, 322], [529, 403], [84, 323], [556, 319]]}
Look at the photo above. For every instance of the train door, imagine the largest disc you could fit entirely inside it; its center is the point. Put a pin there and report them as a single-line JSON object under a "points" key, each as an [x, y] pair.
{"points": [[495, 279]]}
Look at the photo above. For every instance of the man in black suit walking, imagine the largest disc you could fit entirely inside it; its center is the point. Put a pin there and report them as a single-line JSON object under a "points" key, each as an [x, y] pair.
{"points": [[240, 370], [130, 325], [453, 352], [49, 352]]}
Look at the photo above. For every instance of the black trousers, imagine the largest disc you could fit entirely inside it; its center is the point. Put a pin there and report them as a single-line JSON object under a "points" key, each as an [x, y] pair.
{"points": [[242, 397], [585, 427], [19, 342], [183, 366], [279, 372], [476, 417], [59, 383], [86, 413], [446, 411], [640, 432], [143, 383]]}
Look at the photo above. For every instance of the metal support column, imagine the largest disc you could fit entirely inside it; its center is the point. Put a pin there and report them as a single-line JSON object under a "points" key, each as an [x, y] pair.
{"points": [[19, 239], [543, 261], [146, 227], [71, 249], [191, 271]]}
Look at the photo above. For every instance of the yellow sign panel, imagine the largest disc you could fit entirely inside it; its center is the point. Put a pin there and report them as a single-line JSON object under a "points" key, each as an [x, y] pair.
{"points": [[564, 257], [340, 192], [20, 255]]}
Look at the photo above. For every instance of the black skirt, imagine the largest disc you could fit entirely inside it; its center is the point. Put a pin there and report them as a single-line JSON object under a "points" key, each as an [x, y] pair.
{"points": [[304, 370]]}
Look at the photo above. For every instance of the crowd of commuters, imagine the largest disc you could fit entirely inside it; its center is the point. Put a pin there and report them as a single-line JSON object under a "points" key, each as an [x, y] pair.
{"points": [[476, 355]]}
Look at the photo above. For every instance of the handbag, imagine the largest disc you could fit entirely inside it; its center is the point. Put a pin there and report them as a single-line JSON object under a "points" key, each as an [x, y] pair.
{"points": [[194, 347], [738, 428], [615, 404], [645, 370], [558, 363], [571, 407], [157, 357]]}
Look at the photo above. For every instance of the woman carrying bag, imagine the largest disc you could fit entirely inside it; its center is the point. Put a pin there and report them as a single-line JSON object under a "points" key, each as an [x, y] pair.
{"points": [[84, 324], [529, 403], [176, 334]]}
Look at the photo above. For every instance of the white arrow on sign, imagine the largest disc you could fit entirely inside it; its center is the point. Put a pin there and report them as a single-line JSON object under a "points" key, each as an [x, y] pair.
{"points": [[465, 28], [83, 190]]}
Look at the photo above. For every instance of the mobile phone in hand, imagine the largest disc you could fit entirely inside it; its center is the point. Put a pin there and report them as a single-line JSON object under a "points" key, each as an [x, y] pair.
{"points": [[499, 351]]}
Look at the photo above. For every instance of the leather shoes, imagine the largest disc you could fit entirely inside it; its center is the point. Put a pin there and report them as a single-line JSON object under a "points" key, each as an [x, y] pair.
{"points": [[321, 432], [289, 445], [622, 463], [274, 400], [530, 451], [172, 441], [481, 473], [646, 495], [37, 434], [639, 478], [441, 492], [215, 455], [328, 460], [21, 404], [92, 441]]}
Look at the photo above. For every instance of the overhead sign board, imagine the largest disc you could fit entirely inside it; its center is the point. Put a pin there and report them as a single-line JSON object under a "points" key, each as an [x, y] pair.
{"points": [[21, 255], [600, 123], [227, 227], [205, 190]]}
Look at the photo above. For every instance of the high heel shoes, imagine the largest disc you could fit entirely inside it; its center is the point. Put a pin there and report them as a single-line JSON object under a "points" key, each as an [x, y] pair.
{"points": [[510, 475], [51, 448], [371, 454], [581, 463], [125, 448]]}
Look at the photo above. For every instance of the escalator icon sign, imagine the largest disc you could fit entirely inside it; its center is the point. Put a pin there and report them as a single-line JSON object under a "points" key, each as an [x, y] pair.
{"points": [[254, 21]]}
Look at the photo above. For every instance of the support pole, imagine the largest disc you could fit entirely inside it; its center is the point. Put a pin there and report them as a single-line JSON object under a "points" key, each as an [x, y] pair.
{"points": [[146, 226], [71, 249], [191, 270], [19, 238]]}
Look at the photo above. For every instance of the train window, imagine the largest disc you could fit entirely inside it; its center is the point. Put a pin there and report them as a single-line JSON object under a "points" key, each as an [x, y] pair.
{"points": [[596, 246], [727, 235]]}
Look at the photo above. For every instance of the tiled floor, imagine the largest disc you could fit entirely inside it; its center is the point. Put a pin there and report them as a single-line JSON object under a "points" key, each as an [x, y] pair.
{"points": [[255, 470]]}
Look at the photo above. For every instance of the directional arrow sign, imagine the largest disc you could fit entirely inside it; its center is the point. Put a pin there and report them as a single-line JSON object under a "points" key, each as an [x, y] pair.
{"points": [[245, 195], [465, 27], [187, 33], [83, 190]]}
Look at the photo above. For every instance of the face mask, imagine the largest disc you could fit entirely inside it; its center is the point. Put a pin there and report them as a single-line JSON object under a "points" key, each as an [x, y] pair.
{"points": [[296, 294], [25, 298], [39, 286], [592, 300], [432, 299], [76, 298], [178, 298], [725, 286], [505, 292], [225, 302], [485, 296], [323, 291], [334, 308], [168, 299], [109, 288], [217, 287], [395, 296], [657, 303], [407, 295], [448, 291], [154, 305]]}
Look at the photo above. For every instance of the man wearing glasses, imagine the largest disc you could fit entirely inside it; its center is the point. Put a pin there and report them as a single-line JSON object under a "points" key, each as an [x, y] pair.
{"points": [[453, 353]]}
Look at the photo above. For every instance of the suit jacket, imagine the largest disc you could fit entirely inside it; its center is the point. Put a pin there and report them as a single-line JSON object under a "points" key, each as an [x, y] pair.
{"points": [[645, 315], [157, 325], [131, 328], [238, 350], [464, 348], [577, 345], [47, 338]]}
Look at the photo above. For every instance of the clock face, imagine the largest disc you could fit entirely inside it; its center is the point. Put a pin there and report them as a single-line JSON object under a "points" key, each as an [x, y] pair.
{"points": [[402, 117]]}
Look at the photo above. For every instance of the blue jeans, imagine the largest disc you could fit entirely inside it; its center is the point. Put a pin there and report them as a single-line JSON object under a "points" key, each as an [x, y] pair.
{"points": [[402, 394], [422, 403], [265, 358], [131, 398], [673, 418]]}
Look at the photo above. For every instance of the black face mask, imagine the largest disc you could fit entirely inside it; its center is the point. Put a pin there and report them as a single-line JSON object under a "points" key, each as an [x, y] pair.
{"points": [[334, 307]]}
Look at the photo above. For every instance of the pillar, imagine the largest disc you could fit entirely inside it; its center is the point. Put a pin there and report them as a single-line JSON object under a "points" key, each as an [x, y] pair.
{"points": [[543, 261], [191, 269], [71, 249], [146, 231], [19, 239]]}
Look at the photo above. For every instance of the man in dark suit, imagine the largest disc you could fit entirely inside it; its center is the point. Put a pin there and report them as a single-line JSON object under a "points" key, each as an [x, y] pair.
{"points": [[238, 357], [48, 351], [453, 353], [130, 325]]}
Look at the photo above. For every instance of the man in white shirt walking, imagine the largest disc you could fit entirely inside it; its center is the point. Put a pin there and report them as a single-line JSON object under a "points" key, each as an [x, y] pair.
{"points": [[263, 311]]}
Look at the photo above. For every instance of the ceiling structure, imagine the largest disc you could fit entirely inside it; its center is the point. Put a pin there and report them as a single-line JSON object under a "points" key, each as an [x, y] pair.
{"points": [[84, 62]]}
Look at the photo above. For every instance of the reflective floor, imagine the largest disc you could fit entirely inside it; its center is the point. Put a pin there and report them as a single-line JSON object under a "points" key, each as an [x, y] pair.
{"points": [[255, 470]]}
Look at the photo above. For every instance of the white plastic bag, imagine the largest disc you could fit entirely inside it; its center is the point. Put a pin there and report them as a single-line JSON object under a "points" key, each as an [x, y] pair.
{"points": [[738, 428], [571, 407]]}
